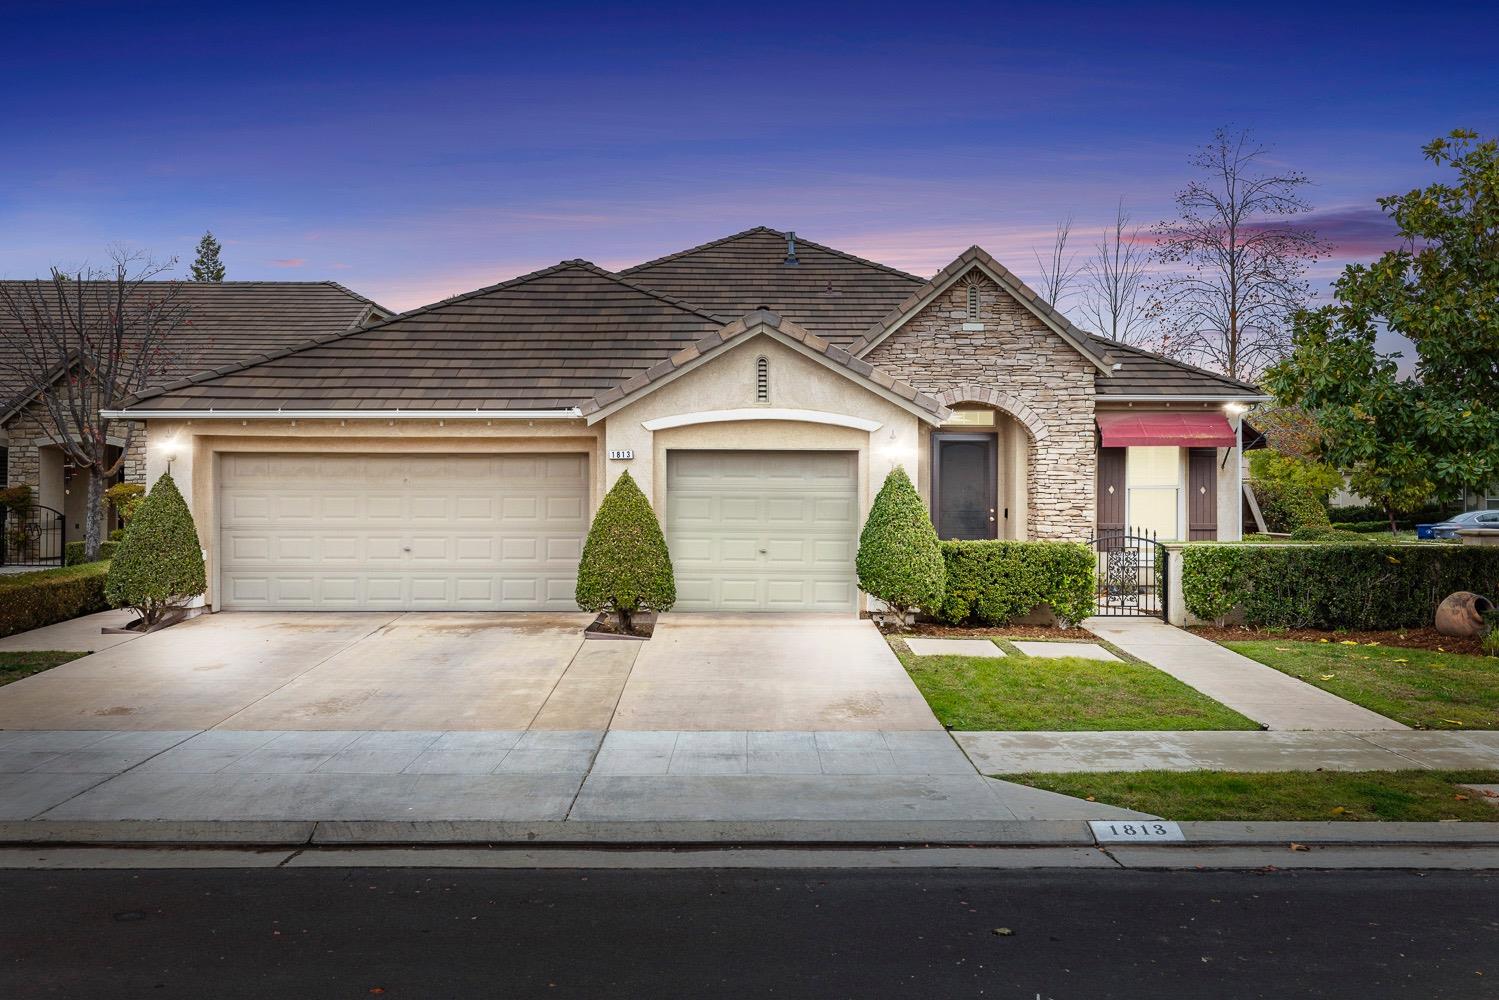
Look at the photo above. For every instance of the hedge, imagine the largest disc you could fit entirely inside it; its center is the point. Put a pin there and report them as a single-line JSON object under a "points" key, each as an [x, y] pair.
{"points": [[1287, 505], [996, 582], [1362, 585], [1429, 514], [31, 600], [73, 551]]}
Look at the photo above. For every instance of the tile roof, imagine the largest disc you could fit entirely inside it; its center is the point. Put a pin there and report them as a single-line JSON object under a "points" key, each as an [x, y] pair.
{"points": [[229, 323], [1142, 373], [833, 294]]}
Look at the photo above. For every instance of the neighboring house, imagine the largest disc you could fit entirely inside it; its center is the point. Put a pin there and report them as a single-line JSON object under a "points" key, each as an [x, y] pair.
{"points": [[758, 388], [228, 324]]}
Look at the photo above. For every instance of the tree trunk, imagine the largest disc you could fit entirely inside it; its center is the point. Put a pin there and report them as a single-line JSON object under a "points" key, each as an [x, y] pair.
{"points": [[93, 515], [1389, 510], [624, 620]]}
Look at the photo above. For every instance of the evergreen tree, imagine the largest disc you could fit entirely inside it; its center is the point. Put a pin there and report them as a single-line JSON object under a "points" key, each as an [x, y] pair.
{"points": [[899, 560], [159, 564], [207, 266], [625, 566]]}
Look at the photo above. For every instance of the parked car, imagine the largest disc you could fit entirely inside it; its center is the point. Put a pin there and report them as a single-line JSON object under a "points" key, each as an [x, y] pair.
{"points": [[1467, 519]]}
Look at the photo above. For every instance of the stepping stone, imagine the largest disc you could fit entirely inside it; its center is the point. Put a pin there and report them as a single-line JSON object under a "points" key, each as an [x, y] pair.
{"points": [[954, 647], [1057, 650]]}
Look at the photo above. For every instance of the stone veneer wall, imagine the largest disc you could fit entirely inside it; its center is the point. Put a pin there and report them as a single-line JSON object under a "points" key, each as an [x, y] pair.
{"points": [[1020, 365], [27, 435]]}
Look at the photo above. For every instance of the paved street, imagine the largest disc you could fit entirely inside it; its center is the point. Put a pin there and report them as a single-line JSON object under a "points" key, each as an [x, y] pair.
{"points": [[398, 933]]}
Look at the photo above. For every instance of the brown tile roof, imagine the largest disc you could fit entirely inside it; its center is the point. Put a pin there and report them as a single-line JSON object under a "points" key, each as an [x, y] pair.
{"points": [[230, 323], [547, 340], [751, 321], [1142, 373], [833, 294]]}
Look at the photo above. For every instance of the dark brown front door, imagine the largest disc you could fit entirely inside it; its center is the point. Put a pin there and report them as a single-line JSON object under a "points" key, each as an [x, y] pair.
{"points": [[1202, 494], [964, 486], [1110, 491]]}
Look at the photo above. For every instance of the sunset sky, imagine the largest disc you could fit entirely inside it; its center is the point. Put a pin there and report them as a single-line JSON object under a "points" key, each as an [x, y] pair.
{"points": [[413, 151]]}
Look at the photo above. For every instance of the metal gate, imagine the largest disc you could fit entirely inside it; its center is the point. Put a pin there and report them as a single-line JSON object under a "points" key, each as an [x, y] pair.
{"points": [[1131, 579], [32, 536]]}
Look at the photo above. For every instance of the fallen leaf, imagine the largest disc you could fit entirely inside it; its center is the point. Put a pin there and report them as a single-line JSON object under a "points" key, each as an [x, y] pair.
{"points": [[1090, 799], [1460, 797], [1003, 932], [1441, 649], [1300, 847], [1321, 640], [1338, 810], [1327, 677], [1348, 642], [1372, 642], [1455, 722], [1284, 649], [1402, 661]]}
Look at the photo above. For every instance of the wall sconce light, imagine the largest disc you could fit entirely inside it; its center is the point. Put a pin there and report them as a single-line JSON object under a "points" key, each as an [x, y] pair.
{"points": [[170, 449]]}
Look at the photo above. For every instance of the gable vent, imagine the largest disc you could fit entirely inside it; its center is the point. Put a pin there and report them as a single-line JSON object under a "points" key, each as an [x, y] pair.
{"points": [[762, 380], [973, 302]]}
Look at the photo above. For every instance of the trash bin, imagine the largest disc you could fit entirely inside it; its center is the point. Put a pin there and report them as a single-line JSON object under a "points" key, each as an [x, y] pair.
{"points": [[1426, 531]]}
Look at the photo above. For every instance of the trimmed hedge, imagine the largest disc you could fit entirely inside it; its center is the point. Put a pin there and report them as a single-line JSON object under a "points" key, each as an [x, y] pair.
{"points": [[159, 565], [72, 553], [1363, 585], [31, 600], [625, 567], [1364, 512], [1288, 505], [996, 582]]}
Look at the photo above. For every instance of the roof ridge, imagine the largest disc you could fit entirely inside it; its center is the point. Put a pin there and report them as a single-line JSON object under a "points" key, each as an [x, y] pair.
{"points": [[701, 246], [671, 300], [861, 260], [778, 232], [353, 294], [1109, 344]]}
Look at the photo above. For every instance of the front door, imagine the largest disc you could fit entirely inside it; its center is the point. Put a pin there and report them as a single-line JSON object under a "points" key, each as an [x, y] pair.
{"points": [[1202, 494], [965, 489]]}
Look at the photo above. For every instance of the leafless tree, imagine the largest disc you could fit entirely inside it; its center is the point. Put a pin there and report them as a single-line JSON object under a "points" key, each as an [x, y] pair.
{"points": [[1060, 269], [80, 344], [1114, 279], [1235, 264]]}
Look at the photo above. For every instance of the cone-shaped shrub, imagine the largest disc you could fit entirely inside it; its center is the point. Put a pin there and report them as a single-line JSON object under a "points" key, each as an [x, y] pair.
{"points": [[159, 564], [899, 560], [625, 566]]}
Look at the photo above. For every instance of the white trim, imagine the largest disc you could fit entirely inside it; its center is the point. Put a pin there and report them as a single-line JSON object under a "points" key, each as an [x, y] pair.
{"points": [[1182, 399], [570, 413], [761, 413]]}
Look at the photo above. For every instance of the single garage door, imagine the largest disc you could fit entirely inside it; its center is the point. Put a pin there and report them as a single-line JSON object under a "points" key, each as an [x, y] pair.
{"points": [[763, 530], [388, 532]]}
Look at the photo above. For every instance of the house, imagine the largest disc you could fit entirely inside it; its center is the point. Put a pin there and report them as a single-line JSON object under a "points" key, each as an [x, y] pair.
{"points": [[227, 324], [758, 388]]}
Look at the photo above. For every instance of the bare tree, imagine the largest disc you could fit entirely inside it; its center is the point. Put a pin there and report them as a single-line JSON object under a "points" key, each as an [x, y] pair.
{"points": [[1114, 278], [80, 344], [1059, 269], [1236, 266]]}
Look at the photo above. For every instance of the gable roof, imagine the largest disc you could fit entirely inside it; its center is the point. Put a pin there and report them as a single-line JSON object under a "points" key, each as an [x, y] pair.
{"points": [[926, 407], [976, 257], [832, 294], [228, 323], [545, 340], [1139, 373]]}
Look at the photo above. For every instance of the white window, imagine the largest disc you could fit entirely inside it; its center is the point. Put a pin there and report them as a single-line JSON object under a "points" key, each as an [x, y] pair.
{"points": [[762, 380], [1153, 478]]}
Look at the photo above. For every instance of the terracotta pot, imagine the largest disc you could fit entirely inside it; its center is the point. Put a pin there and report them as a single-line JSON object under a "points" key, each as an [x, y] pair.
{"points": [[1461, 614]]}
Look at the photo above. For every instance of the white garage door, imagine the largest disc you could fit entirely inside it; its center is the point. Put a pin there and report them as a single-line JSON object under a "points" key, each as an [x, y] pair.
{"points": [[378, 532], [763, 530]]}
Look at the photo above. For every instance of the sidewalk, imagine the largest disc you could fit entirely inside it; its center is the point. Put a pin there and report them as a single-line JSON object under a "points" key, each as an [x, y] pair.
{"points": [[1379, 750], [1269, 697]]}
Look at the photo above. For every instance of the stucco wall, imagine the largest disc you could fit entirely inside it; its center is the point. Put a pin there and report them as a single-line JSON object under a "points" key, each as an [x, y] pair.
{"points": [[1025, 368]]}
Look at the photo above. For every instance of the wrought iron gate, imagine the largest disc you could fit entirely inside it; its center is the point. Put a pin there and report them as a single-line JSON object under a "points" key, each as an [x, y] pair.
{"points": [[32, 536], [1131, 574]]}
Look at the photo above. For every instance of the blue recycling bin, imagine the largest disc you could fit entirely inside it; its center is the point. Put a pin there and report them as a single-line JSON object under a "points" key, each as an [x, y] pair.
{"points": [[1426, 531]]}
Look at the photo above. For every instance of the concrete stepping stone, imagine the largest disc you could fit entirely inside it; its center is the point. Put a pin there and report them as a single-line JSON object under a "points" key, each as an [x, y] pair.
{"points": [[922, 646], [1057, 650]]}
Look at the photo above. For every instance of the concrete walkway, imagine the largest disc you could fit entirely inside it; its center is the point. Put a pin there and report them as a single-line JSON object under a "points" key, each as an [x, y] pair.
{"points": [[1379, 750], [1264, 694], [77, 635]]}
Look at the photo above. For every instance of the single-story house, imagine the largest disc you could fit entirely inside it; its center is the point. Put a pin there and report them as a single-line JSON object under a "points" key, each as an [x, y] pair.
{"points": [[227, 324], [758, 388]]}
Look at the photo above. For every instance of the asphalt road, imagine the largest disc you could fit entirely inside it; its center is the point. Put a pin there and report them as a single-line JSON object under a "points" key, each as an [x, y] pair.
{"points": [[399, 933]]}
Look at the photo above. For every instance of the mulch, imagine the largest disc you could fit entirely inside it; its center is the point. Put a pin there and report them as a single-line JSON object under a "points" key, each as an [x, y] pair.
{"points": [[1410, 638], [1007, 632]]}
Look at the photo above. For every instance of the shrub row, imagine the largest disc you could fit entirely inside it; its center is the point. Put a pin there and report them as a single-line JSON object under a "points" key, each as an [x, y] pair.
{"points": [[996, 582], [1363, 585], [1430, 514], [31, 600], [72, 553]]}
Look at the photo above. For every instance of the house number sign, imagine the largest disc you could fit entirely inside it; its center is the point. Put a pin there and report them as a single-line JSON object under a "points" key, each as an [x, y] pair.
{"points": [[1112, 831], [621, 454]]}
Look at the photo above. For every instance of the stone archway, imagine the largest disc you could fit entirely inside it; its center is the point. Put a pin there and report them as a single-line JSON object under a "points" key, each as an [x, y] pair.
{"points": [[1027, 417]]}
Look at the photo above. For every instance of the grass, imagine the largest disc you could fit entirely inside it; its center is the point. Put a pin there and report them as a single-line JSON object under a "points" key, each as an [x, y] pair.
{"points": [[1421, 688], [14, 666], [1023, 693], [1417, 796]]}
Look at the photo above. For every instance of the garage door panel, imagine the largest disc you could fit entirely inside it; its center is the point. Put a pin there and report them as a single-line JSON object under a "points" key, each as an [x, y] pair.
{"points": [[762, 531], [463, 532]]}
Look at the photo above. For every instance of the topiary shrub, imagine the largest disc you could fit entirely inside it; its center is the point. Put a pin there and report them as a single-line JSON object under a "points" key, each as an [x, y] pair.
{"points": [[159, 565], [626, 567], [31, 600], [899, 561], [1288, 505], [996, 582], [125, 498]]}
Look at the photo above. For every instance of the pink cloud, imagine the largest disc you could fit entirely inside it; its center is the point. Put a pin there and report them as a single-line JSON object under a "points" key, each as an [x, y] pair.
{"points": [[288, 262]]}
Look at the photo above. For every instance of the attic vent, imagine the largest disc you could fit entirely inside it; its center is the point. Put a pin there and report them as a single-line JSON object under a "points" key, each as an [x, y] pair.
{"points": [[973, 302], [762, 380], [791, 249]]}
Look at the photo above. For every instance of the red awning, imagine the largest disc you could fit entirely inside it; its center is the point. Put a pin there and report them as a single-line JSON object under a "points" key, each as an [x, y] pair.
{"points": [[1126, 428]]}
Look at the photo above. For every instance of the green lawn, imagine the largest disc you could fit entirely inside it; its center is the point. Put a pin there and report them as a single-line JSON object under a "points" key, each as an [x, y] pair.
{"points": [[1025, 693], [14, 666], [1423, 796], [1427, 690]]}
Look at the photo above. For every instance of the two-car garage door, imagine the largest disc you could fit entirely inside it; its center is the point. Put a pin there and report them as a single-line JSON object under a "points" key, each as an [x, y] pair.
{"points": [[390, 532]]}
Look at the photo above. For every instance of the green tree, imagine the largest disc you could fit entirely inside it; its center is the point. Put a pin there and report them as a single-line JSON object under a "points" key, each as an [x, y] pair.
{"points": [[159, 564], [1317, 478], [207, 266], [1437, 429], [899, 560], [626, 567]]}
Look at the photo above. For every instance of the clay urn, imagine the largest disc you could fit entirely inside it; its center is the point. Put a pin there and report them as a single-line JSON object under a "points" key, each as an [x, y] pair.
{"points": [[1461, 614]]}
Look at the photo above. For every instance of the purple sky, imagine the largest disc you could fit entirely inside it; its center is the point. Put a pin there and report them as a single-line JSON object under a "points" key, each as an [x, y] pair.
{"points": [[414, 151]]}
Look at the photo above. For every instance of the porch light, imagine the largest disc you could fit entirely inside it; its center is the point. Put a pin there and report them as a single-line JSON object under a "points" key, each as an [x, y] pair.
{"points": [[1234, 409], [170, 449]]}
